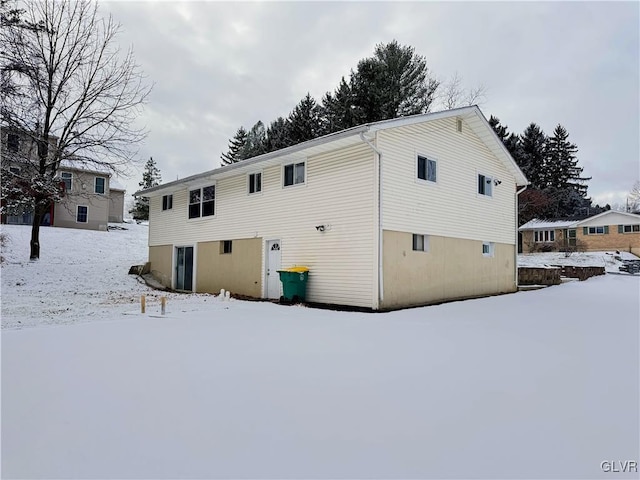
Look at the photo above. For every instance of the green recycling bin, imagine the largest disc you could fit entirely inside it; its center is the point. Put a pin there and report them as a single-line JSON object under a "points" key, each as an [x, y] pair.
{"points": [[294, 284]]}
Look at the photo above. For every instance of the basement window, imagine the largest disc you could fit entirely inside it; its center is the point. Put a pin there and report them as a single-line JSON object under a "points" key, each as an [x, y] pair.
{"points": [[226, 246], [420, 243], [487, 249]]}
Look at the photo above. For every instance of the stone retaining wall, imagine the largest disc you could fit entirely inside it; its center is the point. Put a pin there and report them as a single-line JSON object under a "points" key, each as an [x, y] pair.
{"points": [[582, 273], [539, 275]]}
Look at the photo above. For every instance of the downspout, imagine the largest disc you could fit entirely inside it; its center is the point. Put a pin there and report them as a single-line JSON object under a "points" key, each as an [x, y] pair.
{"points": [[380, 276], [515, 263]]}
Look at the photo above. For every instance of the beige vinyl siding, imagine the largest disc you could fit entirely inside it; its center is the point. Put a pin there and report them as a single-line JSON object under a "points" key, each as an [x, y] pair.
{"points": [[451, 207], [339, 192], [83, 193]]}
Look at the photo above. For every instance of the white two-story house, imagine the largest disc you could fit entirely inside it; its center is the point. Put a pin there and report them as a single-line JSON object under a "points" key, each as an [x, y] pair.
{"points": [[409, 211]]}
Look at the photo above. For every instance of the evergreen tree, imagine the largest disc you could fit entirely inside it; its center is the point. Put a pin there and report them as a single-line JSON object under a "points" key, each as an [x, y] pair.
{"points": [[278, 135], [150, 178], [563, 179], [338, 111], [236, 148], [304, 121], [531, 155], [510, 140], [255, 143], [393, 83]]}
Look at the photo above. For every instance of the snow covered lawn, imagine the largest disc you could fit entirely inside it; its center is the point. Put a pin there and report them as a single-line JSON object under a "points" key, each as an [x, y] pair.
{"points": [[611, 261], [540, 384]]}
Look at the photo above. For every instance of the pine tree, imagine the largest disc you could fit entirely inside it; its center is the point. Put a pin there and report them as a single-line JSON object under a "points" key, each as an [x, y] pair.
{"points": [[394, 82], [255, 143], [236, 148], [304, 121], [150, 178], [563, 177], [531, 156], [278, 135], [510, 140], [338, 110]]}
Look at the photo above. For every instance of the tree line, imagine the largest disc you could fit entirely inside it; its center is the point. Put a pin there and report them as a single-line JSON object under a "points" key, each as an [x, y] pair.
{"points": [[557, 187], [392, 83]]}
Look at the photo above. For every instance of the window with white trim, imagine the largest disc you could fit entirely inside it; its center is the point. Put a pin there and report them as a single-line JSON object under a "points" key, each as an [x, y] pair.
{"points": [[294, 174], [595, 230], [167, 202], [67, 179], [487, 249], [485, 185], [82, 214], [427, 169], [255, 182], [226, 246], [202, 202], [420, 243], [100, 185], [544, 236], [628, 228]]}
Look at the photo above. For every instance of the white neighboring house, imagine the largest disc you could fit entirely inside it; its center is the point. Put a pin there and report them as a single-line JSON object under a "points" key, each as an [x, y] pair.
{"points": [[409, 211]]}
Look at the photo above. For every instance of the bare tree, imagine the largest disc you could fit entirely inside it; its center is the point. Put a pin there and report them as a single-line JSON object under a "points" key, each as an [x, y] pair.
{"points": [[453, 94], [633, 199], [74, 93]]}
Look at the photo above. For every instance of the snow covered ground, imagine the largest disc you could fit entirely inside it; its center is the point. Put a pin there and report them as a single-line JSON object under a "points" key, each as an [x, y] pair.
{"points": [[610, 260], [540, 384]]}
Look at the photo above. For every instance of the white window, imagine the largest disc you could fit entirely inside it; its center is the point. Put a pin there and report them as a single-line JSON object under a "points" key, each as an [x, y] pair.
{"points": [[167, 202], [226, 246], [255, 182], [420, 243], [628, 228], [66, 179], [294, 174], [595, 230], [202, 201], [485, 185], [427, 169], [544, 236], [487, 249], [82, 214], [99, 185]]}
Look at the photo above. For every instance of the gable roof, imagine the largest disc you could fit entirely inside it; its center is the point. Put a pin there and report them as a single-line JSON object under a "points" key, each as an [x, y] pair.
{"points": [[537, 223], [352, 136]]}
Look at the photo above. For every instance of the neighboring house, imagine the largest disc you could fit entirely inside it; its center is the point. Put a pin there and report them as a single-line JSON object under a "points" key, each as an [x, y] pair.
{"points": [[88, 200], [609, 230], [409, 211], [116, 202]]}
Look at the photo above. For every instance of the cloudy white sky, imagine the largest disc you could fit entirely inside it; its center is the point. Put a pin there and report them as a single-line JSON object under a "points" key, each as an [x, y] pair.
{"points": [[218, 66]]}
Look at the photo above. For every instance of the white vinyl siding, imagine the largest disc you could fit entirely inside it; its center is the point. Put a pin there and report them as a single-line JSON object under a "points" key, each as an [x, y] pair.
{"points": [[454, 209], [339, 193]]}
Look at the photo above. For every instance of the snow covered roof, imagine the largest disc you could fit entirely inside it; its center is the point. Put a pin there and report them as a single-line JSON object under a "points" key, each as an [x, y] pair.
{"points": [[84, 166], [115, 185], [536, 224], [352, 136], [619, 217]]}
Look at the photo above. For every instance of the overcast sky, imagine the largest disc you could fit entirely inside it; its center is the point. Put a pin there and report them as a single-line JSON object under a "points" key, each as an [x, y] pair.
{"points": [[218, 66]]}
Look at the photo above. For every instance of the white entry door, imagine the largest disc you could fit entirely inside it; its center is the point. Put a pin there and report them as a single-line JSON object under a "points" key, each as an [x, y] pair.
{"points": [[272, 267]]}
